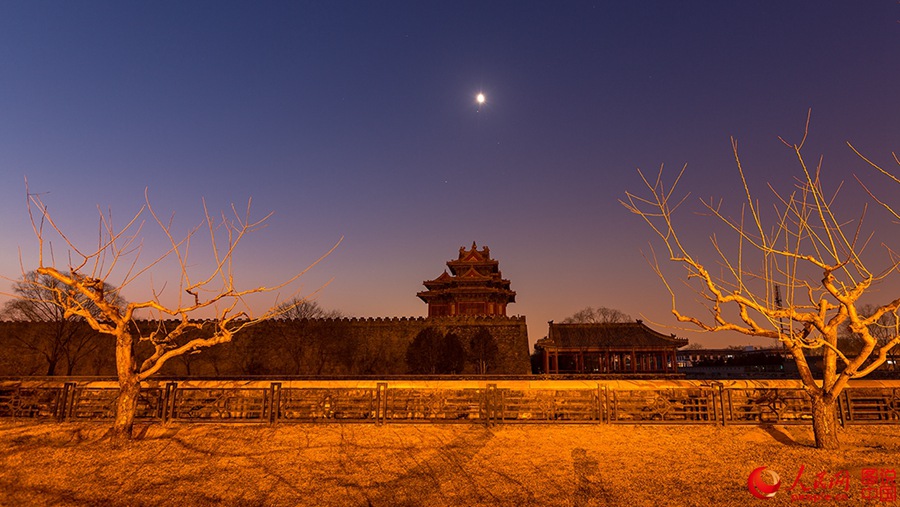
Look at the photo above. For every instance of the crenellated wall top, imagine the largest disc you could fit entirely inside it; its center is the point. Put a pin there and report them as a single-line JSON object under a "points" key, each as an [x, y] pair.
{"points": [[463, 319], [486, 319]]}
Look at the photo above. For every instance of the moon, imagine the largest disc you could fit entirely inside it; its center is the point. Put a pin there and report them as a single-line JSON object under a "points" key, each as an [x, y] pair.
{"points": [[479, 98]]}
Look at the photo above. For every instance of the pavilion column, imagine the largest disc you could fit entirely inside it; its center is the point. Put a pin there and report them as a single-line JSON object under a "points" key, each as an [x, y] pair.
{"points": [[546, 361], [633, 362], [555, 361]]}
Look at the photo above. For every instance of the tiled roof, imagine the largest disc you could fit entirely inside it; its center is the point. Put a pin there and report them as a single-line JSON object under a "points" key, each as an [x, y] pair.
{"points": [[619, 335]]}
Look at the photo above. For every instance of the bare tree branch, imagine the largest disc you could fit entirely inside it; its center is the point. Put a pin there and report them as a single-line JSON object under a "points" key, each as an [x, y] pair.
{"points": [[88, 295], [816, 255]]}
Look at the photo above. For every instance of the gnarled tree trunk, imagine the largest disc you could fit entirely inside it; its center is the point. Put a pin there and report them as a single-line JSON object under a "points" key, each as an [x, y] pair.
{"points": [[126, 409], [129, 390], [825, 422]]}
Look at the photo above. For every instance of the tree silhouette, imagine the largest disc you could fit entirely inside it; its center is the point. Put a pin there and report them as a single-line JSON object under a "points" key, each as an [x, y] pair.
{"points": [[58, 338], [483, 351], [599, 315], [806, 248], [212, 295], [298, 345], [432, 352]]}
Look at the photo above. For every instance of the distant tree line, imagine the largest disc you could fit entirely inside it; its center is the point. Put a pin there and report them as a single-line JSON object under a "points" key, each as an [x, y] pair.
{"points": [[598, 315]]}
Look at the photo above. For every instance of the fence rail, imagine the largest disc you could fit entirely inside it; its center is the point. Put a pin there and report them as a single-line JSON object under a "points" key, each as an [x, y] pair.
{"points": [[448, 401]]}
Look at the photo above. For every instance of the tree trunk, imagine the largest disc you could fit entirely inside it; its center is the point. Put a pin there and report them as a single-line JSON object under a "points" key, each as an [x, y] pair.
{"points": [[126, 409], [129, 388], [825, 422]]}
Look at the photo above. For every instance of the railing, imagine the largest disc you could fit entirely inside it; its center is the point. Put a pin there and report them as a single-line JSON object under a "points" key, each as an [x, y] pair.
{"points": [[451, 401]]}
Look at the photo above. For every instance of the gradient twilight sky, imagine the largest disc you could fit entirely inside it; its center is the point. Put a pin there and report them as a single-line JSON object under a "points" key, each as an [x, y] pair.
{"points": [[358, 119]]}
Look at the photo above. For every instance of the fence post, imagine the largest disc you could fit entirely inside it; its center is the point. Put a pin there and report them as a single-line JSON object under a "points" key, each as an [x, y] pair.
{"points": [[607, 408], [274, 405], [490, 402], [381, 403], [169, 401], [840, 406], [64, 406], [613, 406], [599, 404], [720, 391]]}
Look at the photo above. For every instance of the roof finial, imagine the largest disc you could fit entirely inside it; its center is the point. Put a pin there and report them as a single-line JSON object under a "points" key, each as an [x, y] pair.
{"points": [[473, 246]]}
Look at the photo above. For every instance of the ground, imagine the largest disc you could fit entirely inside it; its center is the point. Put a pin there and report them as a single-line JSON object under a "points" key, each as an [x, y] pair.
{"points": [[63, 464]]}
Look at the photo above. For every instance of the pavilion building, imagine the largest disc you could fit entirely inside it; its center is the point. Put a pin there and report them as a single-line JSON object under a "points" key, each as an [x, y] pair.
{"points": [[600, 348], [473, 286]]}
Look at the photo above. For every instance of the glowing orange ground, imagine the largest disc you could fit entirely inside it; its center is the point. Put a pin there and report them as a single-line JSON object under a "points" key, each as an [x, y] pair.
{"points": [[432, 465]]}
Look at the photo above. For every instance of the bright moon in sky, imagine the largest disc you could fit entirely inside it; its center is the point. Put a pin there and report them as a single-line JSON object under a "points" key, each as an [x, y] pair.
{"points": [[480, 98]]}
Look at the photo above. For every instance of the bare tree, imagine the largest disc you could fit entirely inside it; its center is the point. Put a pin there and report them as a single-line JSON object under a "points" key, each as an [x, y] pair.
{"points": [[141, 354], [483, 351], [599, 315], [884, 330], [804, 247], [295, 340], [301, 308], [432, 352], [58, 338]]}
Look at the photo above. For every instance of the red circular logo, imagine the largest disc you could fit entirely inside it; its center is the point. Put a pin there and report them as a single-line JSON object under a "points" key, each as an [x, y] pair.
{"points": [[760, 488]]}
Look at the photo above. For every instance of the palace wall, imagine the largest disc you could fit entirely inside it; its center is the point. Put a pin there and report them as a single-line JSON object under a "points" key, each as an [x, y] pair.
{"points": [[343, 346]]}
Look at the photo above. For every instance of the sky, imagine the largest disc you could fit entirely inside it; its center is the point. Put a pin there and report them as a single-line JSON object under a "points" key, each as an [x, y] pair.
{"points": [[358, 120]]}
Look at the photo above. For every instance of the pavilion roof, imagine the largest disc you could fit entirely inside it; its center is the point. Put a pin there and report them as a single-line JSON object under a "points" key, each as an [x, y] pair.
{"points": [[473, 271], [616, 335]]}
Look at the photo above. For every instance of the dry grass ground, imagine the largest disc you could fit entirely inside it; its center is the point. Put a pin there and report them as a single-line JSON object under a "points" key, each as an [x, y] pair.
{"points": [[405, 465]]}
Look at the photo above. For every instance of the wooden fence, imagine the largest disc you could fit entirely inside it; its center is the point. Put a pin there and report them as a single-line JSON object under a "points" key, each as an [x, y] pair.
{"points": [[484, 401]]}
